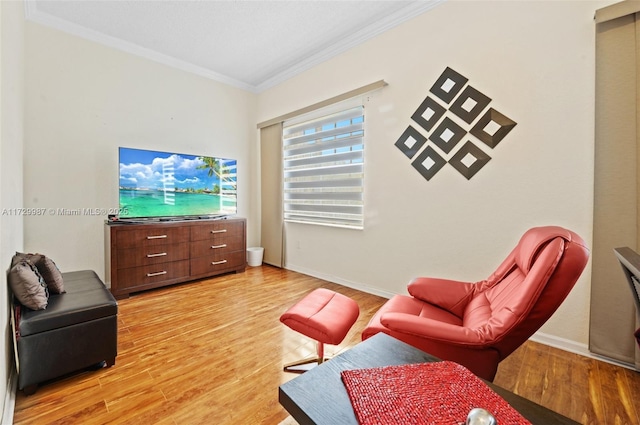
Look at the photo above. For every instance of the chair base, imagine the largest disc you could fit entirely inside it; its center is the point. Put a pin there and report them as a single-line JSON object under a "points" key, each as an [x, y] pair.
{"points": [[299, 365], [302, 366]]}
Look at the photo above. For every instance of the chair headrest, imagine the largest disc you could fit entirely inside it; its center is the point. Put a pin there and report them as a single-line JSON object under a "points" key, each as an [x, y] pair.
{"points": [[533, 240]]}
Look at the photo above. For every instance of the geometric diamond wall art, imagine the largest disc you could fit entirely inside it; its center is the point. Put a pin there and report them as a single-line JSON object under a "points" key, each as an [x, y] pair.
{"points": [[428, 113], [492, 127], [447, 135], [448, 85], [429, 162], [410, 142], [469, 160], [469, 104], [444, 118]]}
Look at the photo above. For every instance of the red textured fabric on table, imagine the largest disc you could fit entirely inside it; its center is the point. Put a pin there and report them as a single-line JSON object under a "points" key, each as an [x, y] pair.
{"points": [[425, 393]]}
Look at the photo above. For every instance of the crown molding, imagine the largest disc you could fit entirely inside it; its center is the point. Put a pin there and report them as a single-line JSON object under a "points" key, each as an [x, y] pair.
{"points": [[34, 15], [410, 11]]}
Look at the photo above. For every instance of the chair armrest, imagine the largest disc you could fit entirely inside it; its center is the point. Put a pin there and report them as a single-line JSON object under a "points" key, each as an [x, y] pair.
{"points": [[450, 295], [431, 329], [435, 330]]}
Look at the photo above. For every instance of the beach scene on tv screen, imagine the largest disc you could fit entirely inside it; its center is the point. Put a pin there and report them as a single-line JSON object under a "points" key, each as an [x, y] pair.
{"points": [[162, 184]]}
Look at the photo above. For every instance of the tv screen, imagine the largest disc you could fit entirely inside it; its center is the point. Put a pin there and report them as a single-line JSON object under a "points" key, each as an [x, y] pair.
{"points": [[157, 184]]}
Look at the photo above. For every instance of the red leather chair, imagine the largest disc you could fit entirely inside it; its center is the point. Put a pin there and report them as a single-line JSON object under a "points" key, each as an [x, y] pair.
{"points": [[480, 324]]}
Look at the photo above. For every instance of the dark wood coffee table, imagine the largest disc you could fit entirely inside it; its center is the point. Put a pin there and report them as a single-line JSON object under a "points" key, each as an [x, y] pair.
{"points": [[319, 396]]}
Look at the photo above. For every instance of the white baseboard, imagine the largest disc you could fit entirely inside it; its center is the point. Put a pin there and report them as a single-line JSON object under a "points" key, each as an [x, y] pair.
{"points": [[10, 398], [561, 343], [576, 348], [339, 281], [540, 337]]}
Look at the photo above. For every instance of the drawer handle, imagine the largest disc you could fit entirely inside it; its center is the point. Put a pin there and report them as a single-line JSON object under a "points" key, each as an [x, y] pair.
{"points": [[157, 237], [219, 231], [156, 274], [215, 263], [160, 254], [224, 245]]}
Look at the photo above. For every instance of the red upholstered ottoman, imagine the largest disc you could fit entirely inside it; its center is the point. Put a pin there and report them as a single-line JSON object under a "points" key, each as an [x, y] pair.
{"points": [[323, 315]]}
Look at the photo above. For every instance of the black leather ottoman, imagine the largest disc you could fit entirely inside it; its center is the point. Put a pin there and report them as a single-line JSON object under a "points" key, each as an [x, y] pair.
{"points": [[78, 329]]}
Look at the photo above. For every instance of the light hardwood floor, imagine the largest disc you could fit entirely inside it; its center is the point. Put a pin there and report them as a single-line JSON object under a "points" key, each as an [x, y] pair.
{"points": [[211, 352]]}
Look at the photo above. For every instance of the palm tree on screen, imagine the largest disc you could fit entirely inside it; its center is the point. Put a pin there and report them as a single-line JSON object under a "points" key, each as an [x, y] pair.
{"points": [[212, 164]]}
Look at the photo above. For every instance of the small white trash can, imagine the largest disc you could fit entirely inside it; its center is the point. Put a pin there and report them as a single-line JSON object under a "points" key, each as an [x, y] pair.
{"points": [[254, 256]]}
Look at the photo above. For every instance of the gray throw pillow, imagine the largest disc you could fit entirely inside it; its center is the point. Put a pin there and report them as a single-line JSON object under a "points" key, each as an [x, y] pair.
{"points": [[28, 286], [48, 270]]}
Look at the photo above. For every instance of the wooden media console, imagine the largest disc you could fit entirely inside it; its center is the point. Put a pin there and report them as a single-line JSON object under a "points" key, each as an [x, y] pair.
{"points": [[155, 254]]}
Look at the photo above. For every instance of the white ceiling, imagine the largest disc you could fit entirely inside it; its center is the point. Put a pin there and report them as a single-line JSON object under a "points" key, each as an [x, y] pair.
{"points": [[253, 45]]}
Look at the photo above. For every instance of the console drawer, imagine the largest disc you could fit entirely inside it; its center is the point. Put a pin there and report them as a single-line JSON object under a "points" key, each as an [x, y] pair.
{"points": [[153, 254], [209, 247], [140, 276], [153, 235], [217, 262], [217, 230]]}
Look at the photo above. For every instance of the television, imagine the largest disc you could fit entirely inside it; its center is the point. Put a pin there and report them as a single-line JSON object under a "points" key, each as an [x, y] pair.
{"points": [[156, 185]]}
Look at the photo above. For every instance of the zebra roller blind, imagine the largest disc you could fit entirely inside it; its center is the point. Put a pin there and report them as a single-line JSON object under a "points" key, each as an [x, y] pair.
{"points": [[323, 160]]}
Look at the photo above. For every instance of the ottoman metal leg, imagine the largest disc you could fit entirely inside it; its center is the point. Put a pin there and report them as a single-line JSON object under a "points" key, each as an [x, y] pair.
{"points": [[319, 359]]}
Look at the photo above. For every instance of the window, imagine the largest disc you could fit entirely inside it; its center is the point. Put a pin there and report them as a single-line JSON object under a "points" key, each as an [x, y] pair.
{"points": [[324, 169]]}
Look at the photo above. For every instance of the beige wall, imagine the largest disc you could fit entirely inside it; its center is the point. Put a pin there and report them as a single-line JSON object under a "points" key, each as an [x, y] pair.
{"points": [[536, 61], [11, 140], [83, 100]]}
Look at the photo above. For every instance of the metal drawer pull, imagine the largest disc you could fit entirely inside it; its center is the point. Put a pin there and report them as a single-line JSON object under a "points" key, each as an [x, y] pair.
{"points": [[219, 231], [224, 245], [157, 237], [215, 263], [161, 254], [156, 274]]}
